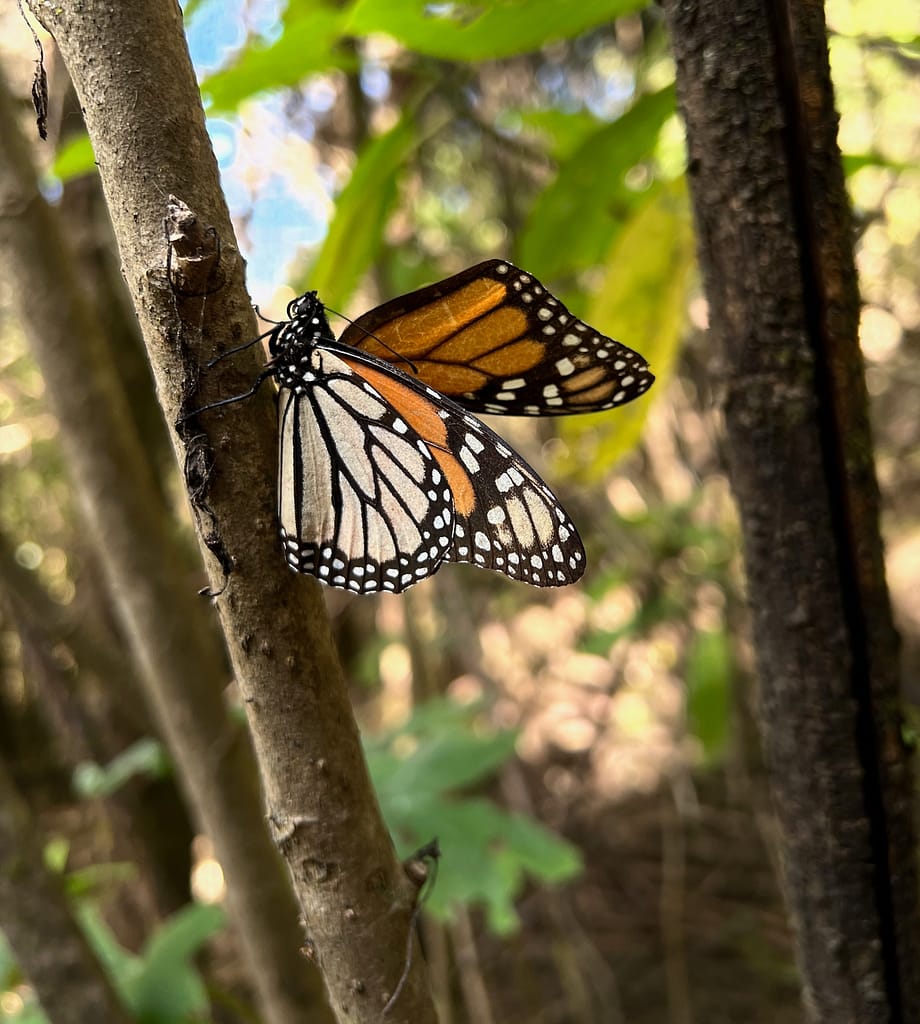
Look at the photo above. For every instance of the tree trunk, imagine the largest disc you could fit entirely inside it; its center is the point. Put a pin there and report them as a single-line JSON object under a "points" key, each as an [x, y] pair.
{"points": [[180, 664], [775, 245], [130, 67]]}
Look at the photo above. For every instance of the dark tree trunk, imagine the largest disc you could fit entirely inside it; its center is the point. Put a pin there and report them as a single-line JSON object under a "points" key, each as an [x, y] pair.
{"points": [[775, 245]]}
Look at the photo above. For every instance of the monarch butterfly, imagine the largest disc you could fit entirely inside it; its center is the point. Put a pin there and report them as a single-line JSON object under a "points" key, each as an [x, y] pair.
{"points": [[401, 477]]}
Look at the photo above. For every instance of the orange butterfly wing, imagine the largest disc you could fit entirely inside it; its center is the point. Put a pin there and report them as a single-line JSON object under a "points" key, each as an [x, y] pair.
{"points": [[496, 341]]}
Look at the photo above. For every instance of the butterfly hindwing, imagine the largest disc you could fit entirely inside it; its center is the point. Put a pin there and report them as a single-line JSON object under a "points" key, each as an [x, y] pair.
{"points": [[496, 341], [516, 525]]}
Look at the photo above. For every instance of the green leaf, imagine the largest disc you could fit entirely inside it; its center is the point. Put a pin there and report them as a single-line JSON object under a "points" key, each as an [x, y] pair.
{"points": [[564, 132], [540, 852], [440, 748], [30, 1012], [145, 757], [361, 212], [486, 852], [709, 669], [94, 878], [307, 45], [485, 30], [161, 986], [74, 159], [642, 302], [168, 988], [120, 965], [9, 969], [190, 8], [449, 761], [574, 220], [55, 854], [853, 162], [486, 855]]}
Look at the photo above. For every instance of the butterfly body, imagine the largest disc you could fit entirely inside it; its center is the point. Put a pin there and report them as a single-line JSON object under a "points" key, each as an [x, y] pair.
{"points": [[400, 478]]}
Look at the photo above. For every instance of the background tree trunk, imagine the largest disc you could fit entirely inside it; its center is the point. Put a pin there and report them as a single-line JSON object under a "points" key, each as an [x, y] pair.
{"points": [[776, 249], [36, 918]]}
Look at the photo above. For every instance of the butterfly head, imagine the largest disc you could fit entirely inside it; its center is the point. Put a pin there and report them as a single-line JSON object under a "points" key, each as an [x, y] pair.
{"points": [[306, 325], [305, 307]]}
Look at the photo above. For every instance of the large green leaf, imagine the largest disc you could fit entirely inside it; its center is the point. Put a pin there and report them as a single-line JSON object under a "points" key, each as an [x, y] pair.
{"points": [[418, 771], [573, 220], [361, 213], [486, 855], [74, 159], [485, 30], [307, 45], [642, 302]]}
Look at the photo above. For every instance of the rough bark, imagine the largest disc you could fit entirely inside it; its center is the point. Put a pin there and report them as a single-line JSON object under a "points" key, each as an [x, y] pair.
{"points": [[147, 129], [776, 249], [181, 666], [36, 919]]}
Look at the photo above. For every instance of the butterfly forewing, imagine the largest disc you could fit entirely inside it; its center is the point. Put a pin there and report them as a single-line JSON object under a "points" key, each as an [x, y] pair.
{"points": [[496, 341], [379, 514]]}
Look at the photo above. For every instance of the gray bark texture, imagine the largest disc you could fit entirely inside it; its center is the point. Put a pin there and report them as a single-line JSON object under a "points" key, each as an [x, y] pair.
{"points": [[775, 244], [182, 667], [130, 66]]}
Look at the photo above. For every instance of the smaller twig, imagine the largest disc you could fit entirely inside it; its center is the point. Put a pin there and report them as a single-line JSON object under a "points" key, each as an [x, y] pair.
{"points": [[472, 983], [417, 870]]}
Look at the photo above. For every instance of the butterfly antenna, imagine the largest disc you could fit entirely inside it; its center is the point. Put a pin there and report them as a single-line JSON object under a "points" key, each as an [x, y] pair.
{"points": [[370, 334]]}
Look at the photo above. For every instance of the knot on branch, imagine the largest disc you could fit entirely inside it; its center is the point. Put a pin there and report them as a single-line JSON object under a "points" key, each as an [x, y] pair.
{"points": [[194, 256]]}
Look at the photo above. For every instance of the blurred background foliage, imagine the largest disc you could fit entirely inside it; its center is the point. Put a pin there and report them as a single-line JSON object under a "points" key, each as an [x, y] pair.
{"points": [[599, 736]]}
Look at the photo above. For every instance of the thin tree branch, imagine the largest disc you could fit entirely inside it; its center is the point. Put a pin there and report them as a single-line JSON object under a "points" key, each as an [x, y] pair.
{"points": [[148, 133], [180, 663]]}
